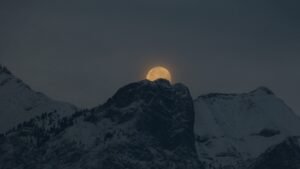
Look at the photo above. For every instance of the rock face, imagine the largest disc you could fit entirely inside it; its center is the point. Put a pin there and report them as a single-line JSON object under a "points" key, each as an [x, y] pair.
{"points": [[166, 112], [19, 103], [144, 125], [232, 130]]}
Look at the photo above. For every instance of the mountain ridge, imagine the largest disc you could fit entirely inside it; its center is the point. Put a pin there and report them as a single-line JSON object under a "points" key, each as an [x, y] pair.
{"points": [[18, 102], [234, 129], [156, 124]]}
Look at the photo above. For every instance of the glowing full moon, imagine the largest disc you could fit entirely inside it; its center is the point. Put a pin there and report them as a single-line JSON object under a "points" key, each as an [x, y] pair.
{"points": [[158, 73]]}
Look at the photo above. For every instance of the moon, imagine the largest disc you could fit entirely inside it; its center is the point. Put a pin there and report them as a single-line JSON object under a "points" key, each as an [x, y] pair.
{"points": [[159, 72]]}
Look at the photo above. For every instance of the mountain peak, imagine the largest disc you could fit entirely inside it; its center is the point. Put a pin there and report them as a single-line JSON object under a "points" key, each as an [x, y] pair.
{"points": [[19, 102], [263, 90], [158, 108], [3, 69], [162, 82], [147, 90], [245, 125]]}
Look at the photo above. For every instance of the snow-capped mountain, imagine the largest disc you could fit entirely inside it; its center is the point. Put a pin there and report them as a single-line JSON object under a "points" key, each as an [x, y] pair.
{"points": [[149, 125], [233, 129], [145, 125], [18, 102]]}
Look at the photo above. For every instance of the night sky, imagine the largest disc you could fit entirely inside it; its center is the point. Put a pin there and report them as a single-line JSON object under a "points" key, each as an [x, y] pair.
{"points": [[83, 51]]}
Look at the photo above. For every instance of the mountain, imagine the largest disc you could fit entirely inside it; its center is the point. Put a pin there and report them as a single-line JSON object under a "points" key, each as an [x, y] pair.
{"points": [[19, 103], [150, 125], [285, 155], [232, 130], [145, 125]]}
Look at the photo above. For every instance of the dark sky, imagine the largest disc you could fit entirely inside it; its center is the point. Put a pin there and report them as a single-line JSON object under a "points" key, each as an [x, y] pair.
{"points": [[83, 51]]}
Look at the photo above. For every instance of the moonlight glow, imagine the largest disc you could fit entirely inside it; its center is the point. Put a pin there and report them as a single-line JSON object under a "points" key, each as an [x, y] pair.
{"points": [[159, 73]]}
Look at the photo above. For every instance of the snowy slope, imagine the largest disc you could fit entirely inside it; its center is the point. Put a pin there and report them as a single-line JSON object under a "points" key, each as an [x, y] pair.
{"points": [[233, 129], [19, 103]]}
